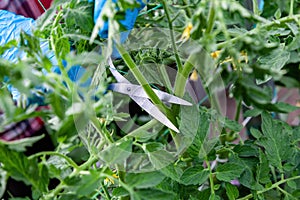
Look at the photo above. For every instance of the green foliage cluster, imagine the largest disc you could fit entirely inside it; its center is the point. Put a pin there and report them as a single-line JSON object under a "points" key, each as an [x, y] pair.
{"points": [[94, 159]]}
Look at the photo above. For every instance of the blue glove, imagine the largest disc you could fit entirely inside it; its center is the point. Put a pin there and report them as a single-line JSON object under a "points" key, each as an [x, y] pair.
{"points": [[128, 22], [11, 26], [260, 4]]}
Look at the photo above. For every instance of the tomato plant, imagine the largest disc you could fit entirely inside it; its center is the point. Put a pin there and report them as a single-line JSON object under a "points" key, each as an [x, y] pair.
{"points": [[228, 57]]}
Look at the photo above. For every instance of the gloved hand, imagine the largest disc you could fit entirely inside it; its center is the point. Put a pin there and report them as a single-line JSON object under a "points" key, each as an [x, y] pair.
{"points": [[128, 22], [11, 26]]}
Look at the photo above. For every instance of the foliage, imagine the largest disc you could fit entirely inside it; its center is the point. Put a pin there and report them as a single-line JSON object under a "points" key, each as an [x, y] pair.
{"points": [[102, 153]]}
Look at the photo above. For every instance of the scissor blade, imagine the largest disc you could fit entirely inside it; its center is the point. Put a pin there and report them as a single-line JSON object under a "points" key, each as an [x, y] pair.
{"points": [[154, 111], [138, 91], [115, 73]]}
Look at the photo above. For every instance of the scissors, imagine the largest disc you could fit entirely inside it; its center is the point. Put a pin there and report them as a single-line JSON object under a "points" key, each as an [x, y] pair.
{"points": [[137, 94]]}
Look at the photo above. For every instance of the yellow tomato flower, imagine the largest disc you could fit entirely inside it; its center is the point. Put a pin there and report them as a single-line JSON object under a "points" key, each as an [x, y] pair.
{"points": [[187, 32], [109, 180], [243, 57], [194, 76], [215, 54]]}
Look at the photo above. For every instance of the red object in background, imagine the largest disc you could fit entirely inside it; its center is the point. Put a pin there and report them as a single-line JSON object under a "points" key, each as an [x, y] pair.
{"points": [[27, 8]]}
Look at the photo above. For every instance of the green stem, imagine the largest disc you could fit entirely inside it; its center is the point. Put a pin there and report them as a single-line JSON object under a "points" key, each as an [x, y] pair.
{"points": [[211, 178], [275, 185], [165, 77], [291, 8], [141, 79], [255, 30], [145, 127], [97, 126], [238, 110], [211, 18], [88, 163], [51, 153], [178, 61], [107, 195], [283, 191], [176, 139], [181, 77]]}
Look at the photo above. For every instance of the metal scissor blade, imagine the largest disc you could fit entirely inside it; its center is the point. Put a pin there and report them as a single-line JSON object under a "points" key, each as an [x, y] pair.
{"points": [[154, 111], [137, 90], [115, 73]]}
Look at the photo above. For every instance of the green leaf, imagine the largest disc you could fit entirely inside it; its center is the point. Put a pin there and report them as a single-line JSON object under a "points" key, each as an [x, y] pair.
{"points": [[117, 152], [232, 125], [62, 47], [20, 145], [247, 178], [151, 73], [275, 60], [289, 82], [120, 192], [277, 13], [172, 171], [263, 170], [196, 175], [292, 184], [152, 194], [19, 198], [23, 169], [214, 196], [80, 16], [246, 150], [144, 180], [88, 184], [255, 133], [197, 148], [293, 27], [228, 171], [231, 191], [252, 113], [295, 44], [160, 158], [3, 178], [283, 107], [276, 141]]}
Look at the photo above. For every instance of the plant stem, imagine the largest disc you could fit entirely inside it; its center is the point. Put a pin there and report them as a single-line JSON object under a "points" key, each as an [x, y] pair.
{"points": [[291, 8], [107, 195], [211, 178], [165, 77], [141, 79], [97, 126], [275, 185], [283, 191], [211, 18], [92, 159], [145, 127], [178, 61], [238, 110], [181, 78], [51, 153], [176, 140]]}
